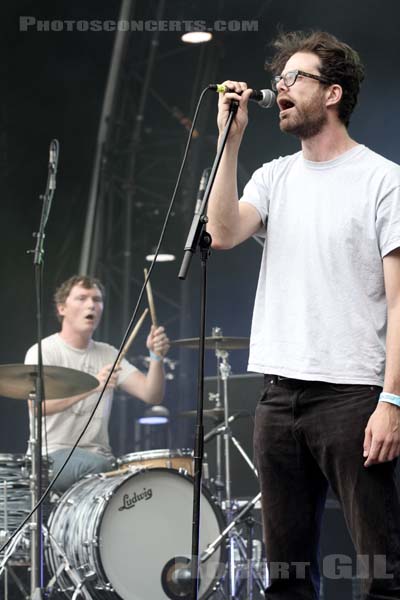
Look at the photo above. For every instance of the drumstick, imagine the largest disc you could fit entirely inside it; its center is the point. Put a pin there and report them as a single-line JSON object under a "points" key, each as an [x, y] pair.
{"points": [[132, 337], [150, 300]]}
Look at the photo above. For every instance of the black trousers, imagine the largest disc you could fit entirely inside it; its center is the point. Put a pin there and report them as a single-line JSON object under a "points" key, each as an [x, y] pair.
{"points": [[308, 435]]}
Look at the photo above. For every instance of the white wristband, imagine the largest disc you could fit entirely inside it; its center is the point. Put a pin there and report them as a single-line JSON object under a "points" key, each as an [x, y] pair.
{"points": [[391, 398], [154, 356]]}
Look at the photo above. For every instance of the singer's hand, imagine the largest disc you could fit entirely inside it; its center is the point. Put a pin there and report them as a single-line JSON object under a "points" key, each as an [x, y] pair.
{"points": [[241, 118]]}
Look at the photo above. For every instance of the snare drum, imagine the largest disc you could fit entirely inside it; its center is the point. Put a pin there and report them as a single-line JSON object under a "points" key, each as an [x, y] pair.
{"points": [[121, 534], [152, 459]]}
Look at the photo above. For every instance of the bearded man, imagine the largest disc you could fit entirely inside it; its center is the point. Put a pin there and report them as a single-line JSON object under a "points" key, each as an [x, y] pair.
{"points": [[326, 321]]}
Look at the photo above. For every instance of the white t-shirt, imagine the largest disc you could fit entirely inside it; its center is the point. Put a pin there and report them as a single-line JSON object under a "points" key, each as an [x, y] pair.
{"points": [[320, 311], [63, 428]]}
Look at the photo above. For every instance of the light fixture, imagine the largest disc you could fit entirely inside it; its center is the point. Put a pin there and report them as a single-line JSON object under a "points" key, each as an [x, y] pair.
{"points": [[161, 257], [196, 37], [155, 415]]}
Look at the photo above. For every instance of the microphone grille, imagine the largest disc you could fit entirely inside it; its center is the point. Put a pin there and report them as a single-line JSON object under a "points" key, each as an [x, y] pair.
{"points": [[268, 99]]}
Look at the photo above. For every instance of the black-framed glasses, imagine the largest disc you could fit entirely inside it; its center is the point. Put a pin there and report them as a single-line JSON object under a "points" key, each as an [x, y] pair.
{"points": [[290, 78]]}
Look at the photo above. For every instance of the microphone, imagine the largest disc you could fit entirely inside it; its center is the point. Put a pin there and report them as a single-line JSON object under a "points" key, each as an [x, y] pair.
{"points": [[183, 578], [53, 163], [202, 188], [176, 578], [264, 98]]}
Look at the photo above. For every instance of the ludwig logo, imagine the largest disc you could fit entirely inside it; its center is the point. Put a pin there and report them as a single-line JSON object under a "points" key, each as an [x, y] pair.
{"points": [[129, 501]]}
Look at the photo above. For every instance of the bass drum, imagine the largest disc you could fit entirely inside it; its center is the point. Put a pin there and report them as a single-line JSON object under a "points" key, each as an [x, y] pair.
{"points": [[129, 536]]}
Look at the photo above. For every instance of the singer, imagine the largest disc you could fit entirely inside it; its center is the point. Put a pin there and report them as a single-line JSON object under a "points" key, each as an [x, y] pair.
{"points": [[326, 321]]}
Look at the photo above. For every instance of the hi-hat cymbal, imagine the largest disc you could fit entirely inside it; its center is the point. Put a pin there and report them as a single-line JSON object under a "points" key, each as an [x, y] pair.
{"points": [[214, 342], [212, 413], [18, 381]]}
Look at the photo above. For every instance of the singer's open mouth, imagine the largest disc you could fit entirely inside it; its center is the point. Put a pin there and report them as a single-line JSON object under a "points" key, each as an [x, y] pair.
{"points": [[285, 104]]}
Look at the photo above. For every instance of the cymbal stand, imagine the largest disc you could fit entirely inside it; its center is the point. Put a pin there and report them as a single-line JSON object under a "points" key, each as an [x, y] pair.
{"points": [[36, 489], [236, 544], [225, 369], [218, 482]]}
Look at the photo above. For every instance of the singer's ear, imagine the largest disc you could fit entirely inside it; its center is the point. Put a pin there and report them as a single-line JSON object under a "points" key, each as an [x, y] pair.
{"points": [[334, 94]]}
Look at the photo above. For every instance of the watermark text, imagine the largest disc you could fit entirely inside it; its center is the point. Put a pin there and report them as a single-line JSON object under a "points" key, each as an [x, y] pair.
{"points": [[29, 23]]}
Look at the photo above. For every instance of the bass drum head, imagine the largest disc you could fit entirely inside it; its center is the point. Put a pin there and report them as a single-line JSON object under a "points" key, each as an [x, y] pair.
{"points": [[147, 522]]}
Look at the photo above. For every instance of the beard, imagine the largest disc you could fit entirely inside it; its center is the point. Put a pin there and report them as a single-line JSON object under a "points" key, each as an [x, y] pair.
{"points": [[306, 121]]}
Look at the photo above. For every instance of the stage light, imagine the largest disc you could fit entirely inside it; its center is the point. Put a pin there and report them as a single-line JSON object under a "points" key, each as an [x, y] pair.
{"points": [[155, 415], [161, 257], [196, 37]]}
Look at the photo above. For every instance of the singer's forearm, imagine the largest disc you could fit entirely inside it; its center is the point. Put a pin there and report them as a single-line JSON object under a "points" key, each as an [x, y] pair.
{"points": [[229, 222], [223, 210]]}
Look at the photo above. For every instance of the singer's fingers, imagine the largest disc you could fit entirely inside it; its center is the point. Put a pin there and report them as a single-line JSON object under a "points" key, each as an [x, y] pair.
{"points": [[242, 97], [237, 86], [233, 91]]}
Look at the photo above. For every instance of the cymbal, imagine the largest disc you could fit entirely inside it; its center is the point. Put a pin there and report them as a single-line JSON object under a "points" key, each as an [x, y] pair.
{"points": [[18, 381], [214, 342], [211, 413]]}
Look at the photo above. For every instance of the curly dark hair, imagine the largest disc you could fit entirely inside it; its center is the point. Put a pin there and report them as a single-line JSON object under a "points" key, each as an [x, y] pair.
{"points": [[340, 63], [64, 289]]}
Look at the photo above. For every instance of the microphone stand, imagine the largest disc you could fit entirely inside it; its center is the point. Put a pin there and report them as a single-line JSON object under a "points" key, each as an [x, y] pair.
{"points": [[39, 395], [199, 237]]}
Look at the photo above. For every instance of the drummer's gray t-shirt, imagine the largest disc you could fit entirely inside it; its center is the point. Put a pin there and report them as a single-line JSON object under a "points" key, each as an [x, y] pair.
{"points": [[320, 311], [63, 428]]}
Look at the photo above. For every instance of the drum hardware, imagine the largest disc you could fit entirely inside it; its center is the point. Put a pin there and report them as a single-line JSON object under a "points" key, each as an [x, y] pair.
{"points": [[239, 517], [221, 428], [236, 545], [77, 581], [18, 580], [19, 382], [13, 547], [214, 342], [246, 568], [237, 548], [169, 365], [211, 413]]}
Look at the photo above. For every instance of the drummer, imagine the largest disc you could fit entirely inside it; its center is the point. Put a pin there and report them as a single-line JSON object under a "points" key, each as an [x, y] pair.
{"points": [[79, 306]]}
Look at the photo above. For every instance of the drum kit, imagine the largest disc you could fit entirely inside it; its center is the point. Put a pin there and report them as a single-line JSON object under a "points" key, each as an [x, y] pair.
{"points": [[126, 534]]}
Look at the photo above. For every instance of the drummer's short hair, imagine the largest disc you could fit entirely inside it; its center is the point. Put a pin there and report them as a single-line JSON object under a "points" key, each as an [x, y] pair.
{"points": [[64, 289]]}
